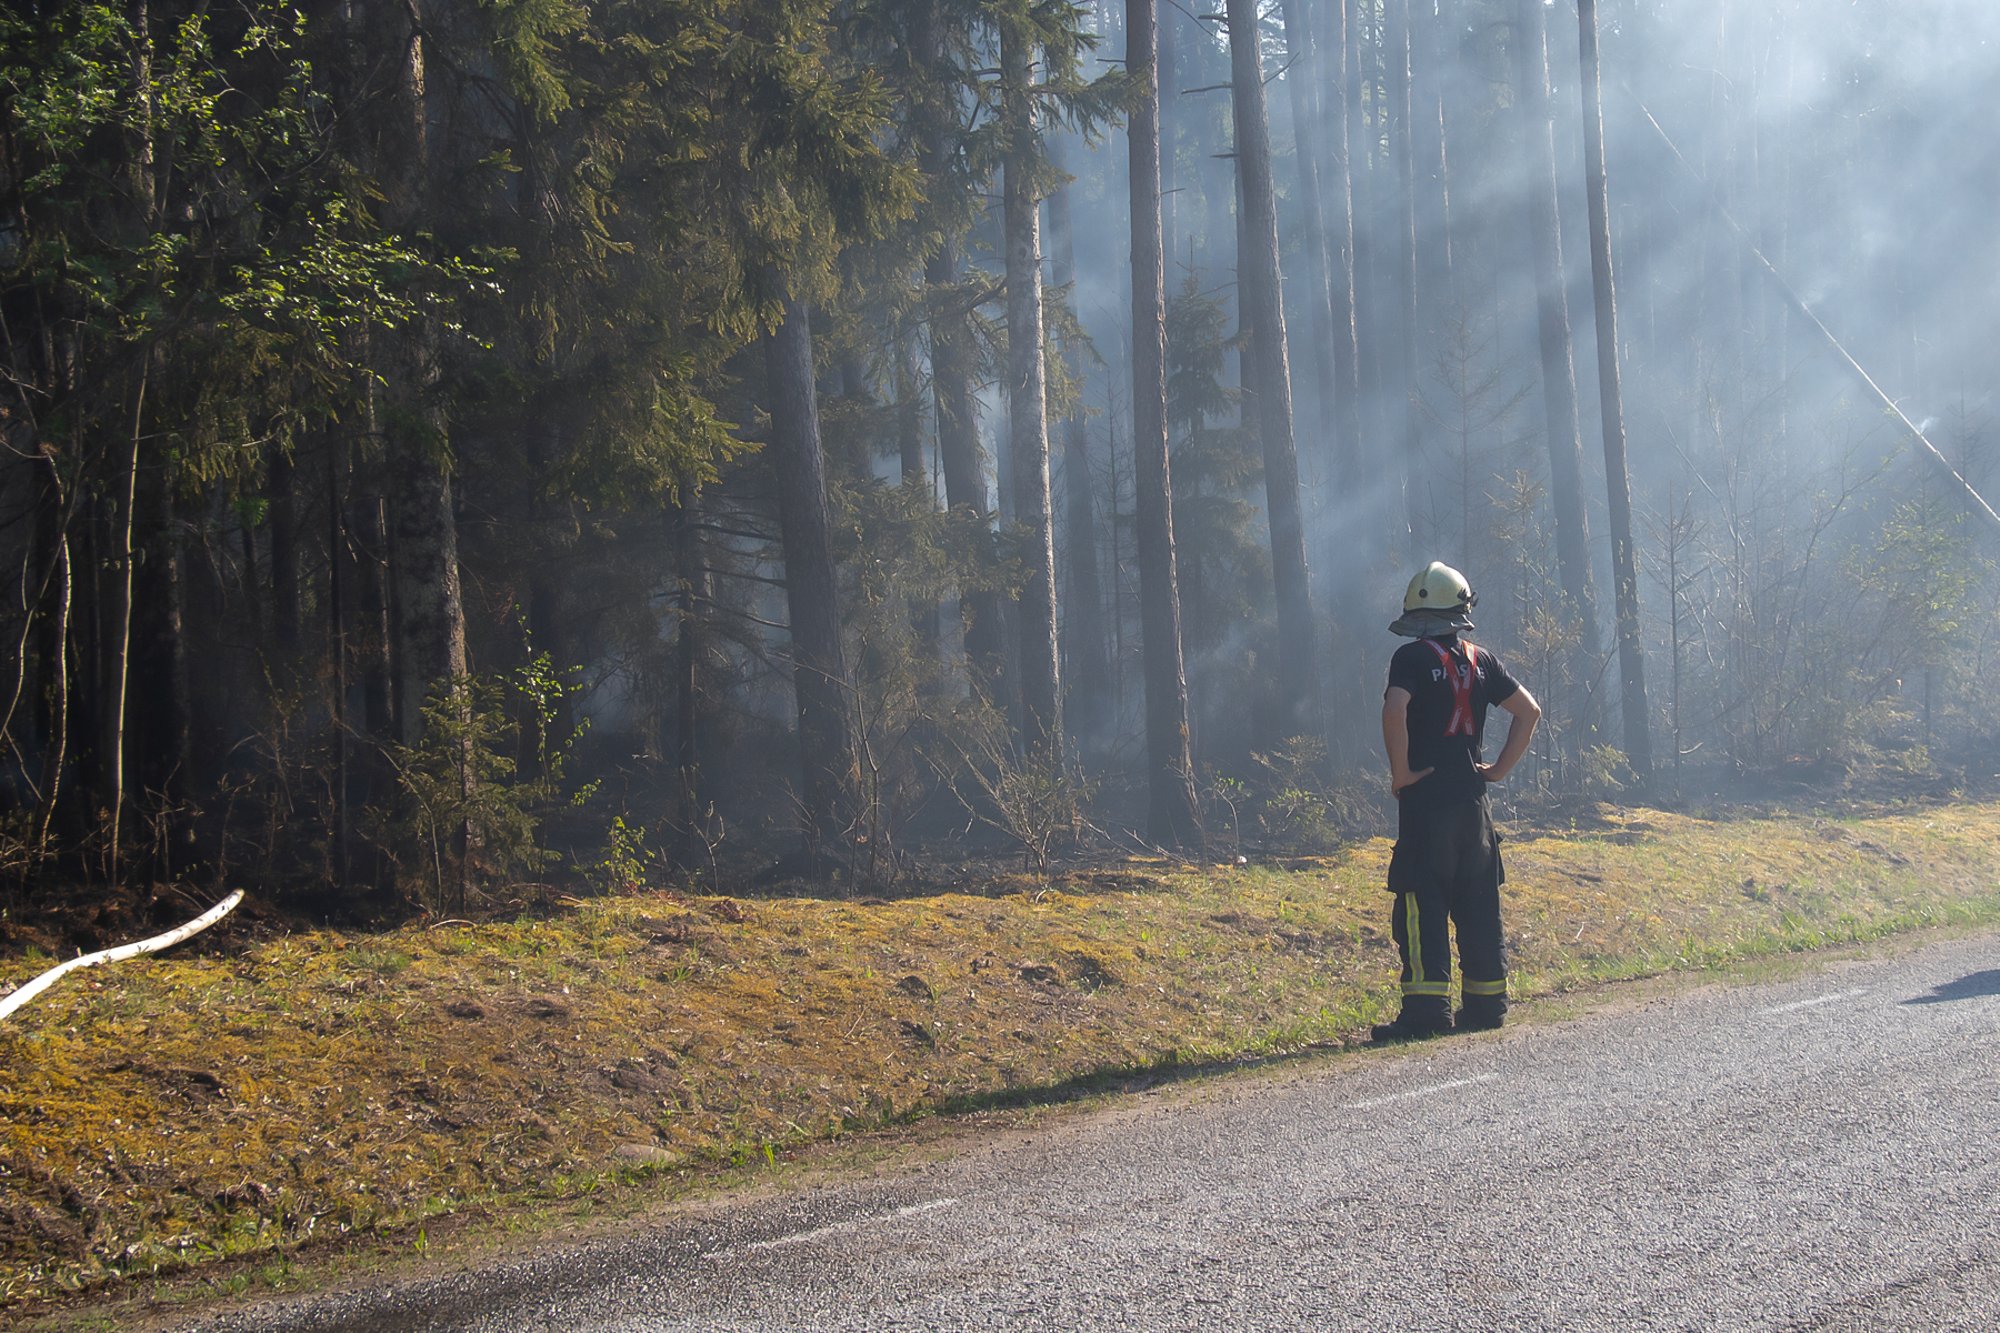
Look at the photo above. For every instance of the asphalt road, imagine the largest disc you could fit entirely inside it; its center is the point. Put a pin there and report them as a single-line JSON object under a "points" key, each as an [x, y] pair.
{"points": [[1820, 1153]]}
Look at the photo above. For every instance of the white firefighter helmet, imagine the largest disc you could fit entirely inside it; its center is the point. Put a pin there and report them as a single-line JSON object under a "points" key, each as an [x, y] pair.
{"points": [[1436, 603]]}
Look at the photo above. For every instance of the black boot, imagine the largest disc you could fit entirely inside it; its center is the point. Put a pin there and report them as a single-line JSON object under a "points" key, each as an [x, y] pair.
{"points": [[1482, 1013], [1423, 1017]]}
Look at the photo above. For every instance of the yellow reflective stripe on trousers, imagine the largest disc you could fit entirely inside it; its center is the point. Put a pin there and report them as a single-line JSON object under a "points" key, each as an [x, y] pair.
{"points": [[1437, 988], [1416, 938], [1487, 987]]}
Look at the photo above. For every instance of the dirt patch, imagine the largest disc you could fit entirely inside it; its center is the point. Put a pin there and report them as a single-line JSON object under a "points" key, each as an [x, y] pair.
{"points": [[197, 1085], [1091, 971]]}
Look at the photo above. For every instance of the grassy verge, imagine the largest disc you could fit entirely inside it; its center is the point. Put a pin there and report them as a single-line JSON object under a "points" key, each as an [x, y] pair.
{"points": [[175, 1112]]}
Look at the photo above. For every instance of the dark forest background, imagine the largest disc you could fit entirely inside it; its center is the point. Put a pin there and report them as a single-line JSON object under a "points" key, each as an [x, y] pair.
{"points": [[447, 446]]}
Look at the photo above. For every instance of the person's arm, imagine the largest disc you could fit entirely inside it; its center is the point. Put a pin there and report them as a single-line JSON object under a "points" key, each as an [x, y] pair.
{"points": [[1396, 739], [1524, 713]]}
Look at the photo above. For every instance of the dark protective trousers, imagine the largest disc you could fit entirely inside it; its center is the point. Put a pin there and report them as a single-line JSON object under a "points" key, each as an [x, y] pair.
{"points": [[1446, 869]]}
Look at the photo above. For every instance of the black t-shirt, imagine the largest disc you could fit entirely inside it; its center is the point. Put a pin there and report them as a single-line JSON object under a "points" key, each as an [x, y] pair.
{"points": [[1451, 685]]}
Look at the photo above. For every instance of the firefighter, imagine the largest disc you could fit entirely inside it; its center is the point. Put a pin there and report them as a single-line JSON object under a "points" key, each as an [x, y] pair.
{"points": [[1447, 857]]}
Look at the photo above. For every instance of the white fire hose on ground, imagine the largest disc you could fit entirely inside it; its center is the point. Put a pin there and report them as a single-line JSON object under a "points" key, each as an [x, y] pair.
{"points": [[29, 991]]}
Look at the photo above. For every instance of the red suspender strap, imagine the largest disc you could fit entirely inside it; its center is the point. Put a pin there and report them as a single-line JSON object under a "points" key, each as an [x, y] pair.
{"points": [[1460, 674]]}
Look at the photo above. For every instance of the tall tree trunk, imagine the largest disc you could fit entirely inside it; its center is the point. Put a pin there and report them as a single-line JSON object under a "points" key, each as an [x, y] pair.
{"points": [[1166, 105], [52, 648], [1624, 557], [286, 631], [430, 611], [1171, 818], [118, 630], [90, 561], [1216, 260], [960, 457], [913, 474], [1086, 653], [1559, 401], [819, 667], [1027, 404], [339, 855], [1337, 185], [1373, 318], [160, 724], [697, 595], [1410, 310], [1270, 380], [953, 362], [1432, 67], [1302, 56], [429, 606], [116, 660], [368, 535]]}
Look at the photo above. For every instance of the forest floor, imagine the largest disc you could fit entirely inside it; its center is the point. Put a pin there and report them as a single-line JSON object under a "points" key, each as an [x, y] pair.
{"points": [[215, 1114]]}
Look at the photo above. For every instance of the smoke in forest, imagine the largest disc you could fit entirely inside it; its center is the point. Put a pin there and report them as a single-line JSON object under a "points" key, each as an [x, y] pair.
{"points": [[565, 451]]}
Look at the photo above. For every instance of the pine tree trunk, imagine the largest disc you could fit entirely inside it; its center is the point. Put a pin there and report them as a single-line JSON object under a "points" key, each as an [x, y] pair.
{"points": [[1559, 398], [1374, 324], [118, 630], [1171, 818], [1027, 406], [339, 855], [430, 616], [924, 617], [961, 458], [375, 628], [1302, 56], [1269, 380], [1624, 557], [159, 730], [1086, 655], [697, 593], [1408, 388], [1166, 107], [117, 649], [90, 561], [286, 631], [1337, 186], [819, 667], [953, 362], [1431, 69], [429, 607], [52, 646]]}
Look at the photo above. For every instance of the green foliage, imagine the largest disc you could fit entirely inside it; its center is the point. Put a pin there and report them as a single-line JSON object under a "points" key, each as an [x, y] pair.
{"points": [[466, 814], [896, 542], [1546, 631], [1298, 807], [625, 864], [1605, 773], [1926, 574], [170, 204], [1224, 801]]}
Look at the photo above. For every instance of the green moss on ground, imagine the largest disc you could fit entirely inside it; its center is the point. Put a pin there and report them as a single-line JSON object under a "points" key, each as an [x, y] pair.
{"points": [[180, 1110]]}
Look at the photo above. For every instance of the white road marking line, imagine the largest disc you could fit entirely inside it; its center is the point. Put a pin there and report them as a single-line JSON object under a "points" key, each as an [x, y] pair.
{"points": [[1815, 1002], [1374, 1102], [832, 1229]]}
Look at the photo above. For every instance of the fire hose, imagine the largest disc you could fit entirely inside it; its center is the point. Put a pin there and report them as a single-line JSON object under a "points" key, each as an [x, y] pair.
{"points": [[1805, 312], [30, 990]]}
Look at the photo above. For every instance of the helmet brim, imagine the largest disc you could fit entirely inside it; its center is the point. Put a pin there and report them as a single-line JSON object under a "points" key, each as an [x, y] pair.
{"points": [[1430, 623]]}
